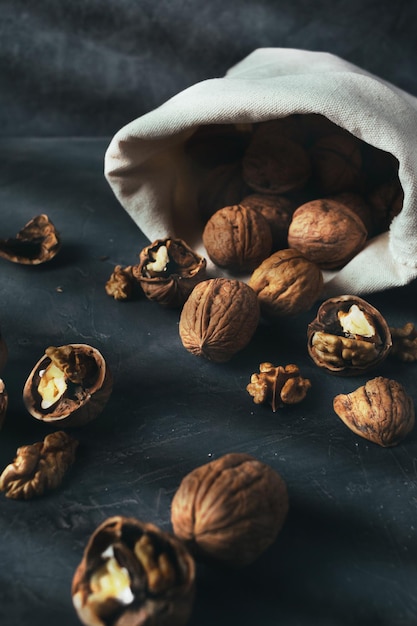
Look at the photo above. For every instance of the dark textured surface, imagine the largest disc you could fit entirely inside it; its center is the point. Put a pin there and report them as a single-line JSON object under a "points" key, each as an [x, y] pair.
{"points": [[87, 67], [347, 553]]}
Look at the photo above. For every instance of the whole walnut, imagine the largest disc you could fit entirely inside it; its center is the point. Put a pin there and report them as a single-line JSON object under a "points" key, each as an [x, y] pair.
{"points": [[230, 510], [337, 163], [386, 201], [237, 238], [380, 411], [275, 165], [277, 210], [286, 283], [219, 187], [359, 205], [327, 232], [219, 318]]}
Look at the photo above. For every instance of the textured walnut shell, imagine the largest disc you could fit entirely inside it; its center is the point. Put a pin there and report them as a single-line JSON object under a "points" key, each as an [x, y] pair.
{"points": [[342, 354], [37, 242], [358, 204], [219, 318], [286, 283], [380, 411], [230, 510], [336, 163], [3, 402], [386, 201], [275, 165], [327, 232], [237, 238], [171, 287], [170, 606], [220, 187], [75, 409], [277, 210]]}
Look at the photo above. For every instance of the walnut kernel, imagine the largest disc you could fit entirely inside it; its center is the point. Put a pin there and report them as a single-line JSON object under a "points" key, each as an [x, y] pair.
{"points": [[278, 386]]}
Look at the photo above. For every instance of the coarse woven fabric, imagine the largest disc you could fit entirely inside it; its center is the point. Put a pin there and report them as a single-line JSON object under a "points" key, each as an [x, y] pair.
{"points": [[144, 162]]}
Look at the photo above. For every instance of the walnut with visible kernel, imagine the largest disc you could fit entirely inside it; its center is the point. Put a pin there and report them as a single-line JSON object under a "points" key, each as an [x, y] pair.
{"points": [[380, 411], [278, 385], [39, 467], [133, 573], [348, 336]]}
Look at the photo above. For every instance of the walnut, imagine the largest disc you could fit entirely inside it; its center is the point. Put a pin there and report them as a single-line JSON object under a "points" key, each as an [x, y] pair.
{"points": [[39, 467], [213, 145], [278, 385], [69, 385], [348, 336], [286, 283], [277, 210], [4, 400], [336, 163], [219, 318], [237, 238], [120, 285], [359, 205], [288, 127], [230, 510], [168, 270], [327, 232], [133, 573], [220, 187], [404, 342], [386, 201], [380, 411], [275, 165], [37, 242]]}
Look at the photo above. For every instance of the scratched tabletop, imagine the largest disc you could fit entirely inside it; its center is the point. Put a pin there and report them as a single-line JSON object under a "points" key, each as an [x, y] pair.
{"points": [[347, 554]]}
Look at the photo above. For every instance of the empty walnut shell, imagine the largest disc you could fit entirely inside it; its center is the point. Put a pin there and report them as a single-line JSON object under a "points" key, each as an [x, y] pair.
{"points": [[380, 411], [348, 336], [37, 242], [219, 318], [78, 389], [168, 271], [133, 573], [3, 402], [230, 510]]}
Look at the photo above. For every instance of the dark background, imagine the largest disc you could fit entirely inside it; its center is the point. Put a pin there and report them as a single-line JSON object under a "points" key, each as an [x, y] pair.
{"points": [[348, 551], [87, 67]]}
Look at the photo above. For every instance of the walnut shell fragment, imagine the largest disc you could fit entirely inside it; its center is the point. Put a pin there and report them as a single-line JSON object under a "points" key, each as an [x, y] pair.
{"points": [[37, 242], [39, 467], [4, 401], [286, 283], [230, 510], [278, 386], [121, 283], [219, 318], [380, 411], [168, 270], [404, 343], [69, 385], [348, 336], [133, 573]]}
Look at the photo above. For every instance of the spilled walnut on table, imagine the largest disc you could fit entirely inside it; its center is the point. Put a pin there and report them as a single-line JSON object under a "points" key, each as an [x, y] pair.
{"points": [[37, 242], [380, 411], [39, 467], [278, 386], [404, 343]]}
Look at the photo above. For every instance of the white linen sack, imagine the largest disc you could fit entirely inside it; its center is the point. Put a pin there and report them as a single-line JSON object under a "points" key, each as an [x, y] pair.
{"points": [[145, 167]]}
